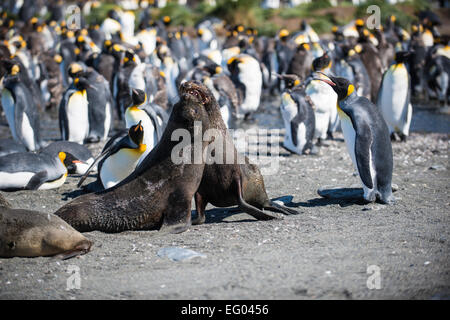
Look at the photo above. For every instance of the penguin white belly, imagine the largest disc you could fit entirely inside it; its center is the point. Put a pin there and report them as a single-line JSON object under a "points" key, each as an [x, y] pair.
{"points": [[288, 112], [324, 99], [251, 77], [15, 180], [393, 99], [28, 134], [8, 108], [118, 166], [225, 112], [53, 184], [350, 139], [107, 123], [77, 116]]}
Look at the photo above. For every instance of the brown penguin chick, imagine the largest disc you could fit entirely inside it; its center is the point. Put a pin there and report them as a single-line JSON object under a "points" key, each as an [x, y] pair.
{"points": [[159, 192], [371, 59], [26, 233], [51, 62], [232, 183], [301, 62]]}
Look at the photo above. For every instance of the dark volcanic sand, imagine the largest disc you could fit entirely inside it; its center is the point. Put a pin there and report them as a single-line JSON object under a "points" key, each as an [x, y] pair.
{"points": [[323, 252]]}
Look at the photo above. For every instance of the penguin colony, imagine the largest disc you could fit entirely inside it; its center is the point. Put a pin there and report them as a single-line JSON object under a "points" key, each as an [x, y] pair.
{"points": [[119, 81]]}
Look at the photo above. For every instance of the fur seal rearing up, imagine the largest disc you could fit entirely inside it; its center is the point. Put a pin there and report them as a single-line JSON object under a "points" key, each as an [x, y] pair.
{"points": [[158, 193], [237, 183]]}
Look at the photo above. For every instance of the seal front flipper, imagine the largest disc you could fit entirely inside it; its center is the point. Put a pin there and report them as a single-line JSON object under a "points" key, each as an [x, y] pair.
{"points": [[37, 180]]}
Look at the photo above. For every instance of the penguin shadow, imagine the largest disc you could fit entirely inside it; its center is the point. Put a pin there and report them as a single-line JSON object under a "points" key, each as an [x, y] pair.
{"points": [[344, 197], [218, 215], [85, 189]]}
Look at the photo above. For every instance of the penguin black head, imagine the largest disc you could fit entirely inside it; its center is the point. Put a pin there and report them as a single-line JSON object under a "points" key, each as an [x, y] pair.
{"points": [[11, 67], [81, 83], [402, 56], [322, 62], [129, 57], [138, 96], [75, 69], [70, 161], [136, 133], [166, 20], [341, 86], [303, 47], [290, 80], [113, 15]]}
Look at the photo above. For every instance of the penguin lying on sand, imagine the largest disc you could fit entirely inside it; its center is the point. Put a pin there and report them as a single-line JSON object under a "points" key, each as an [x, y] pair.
{"points": [[30, 171], [118, 159]]}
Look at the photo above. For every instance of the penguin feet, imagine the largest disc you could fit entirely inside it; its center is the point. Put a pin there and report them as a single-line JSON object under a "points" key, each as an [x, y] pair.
{"points": [[330, 136], [403, 137], [320, 143], [394, 137]]}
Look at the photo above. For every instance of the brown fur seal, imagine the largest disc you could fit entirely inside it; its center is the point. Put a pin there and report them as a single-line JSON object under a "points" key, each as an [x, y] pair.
{"points": [[26, 233], [158, 193], [4, 202], [225, 185]]}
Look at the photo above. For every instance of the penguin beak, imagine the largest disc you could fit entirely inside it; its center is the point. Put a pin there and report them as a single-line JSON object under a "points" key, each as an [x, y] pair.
{"points": [[331, 83], [328, 80]]}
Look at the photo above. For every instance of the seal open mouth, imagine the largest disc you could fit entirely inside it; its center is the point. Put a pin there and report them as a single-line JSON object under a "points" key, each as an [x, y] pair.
{"points": [[190, 88]]}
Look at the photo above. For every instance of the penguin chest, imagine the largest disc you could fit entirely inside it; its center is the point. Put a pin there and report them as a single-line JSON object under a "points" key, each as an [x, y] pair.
{"points": [[118, 166], [394, 95], [349, 135], [53, 184], [77, 116], [295, 133], [322, 95], [251, 77], [8, 107], [137, 80]]}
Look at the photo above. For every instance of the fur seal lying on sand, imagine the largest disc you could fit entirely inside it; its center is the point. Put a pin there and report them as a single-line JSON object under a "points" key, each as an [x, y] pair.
{"points": [[158, 193], [26, 233]]}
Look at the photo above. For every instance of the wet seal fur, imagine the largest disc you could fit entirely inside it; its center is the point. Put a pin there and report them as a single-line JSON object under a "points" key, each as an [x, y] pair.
{"points": [[26, 233], [158, 194], [238, 183]]}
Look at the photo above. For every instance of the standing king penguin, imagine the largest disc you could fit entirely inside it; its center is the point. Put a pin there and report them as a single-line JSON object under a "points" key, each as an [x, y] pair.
{"points": [[394, 97], [367, 138], [74, 113], [20, 108]]}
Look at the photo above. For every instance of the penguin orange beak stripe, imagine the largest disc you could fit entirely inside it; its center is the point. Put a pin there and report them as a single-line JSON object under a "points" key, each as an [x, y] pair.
{"points": [[331, 83]]}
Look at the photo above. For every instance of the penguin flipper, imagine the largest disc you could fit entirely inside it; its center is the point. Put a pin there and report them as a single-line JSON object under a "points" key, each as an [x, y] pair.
{"points": [[37, 180], [363, 142]]}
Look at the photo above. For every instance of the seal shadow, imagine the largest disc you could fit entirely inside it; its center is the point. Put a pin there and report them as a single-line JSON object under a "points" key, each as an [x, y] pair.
{"points": [[218, 215]]}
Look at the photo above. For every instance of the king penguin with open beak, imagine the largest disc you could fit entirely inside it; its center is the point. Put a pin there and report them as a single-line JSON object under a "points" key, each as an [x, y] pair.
{"points": [[367, 138]]}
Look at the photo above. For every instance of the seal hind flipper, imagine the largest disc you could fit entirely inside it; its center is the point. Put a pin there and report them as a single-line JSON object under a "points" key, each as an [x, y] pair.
{"points": [[251, 210], [273, 206]]}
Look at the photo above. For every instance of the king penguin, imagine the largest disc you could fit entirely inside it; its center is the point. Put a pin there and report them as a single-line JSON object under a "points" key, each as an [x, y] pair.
{"points": [[31, 171], [324, 99], [20, 109], [119, 159], [247, 77], [297, 110], [74, 113], [367, 138], [394, 97]]}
